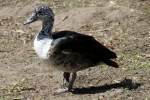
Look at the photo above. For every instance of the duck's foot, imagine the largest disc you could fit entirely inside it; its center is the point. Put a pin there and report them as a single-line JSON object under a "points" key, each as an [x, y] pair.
{"points": [[60, 91], [67, 84]]}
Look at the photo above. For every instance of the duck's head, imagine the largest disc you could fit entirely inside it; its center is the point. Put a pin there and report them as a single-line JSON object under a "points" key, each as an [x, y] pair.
{"points": [[42, 13]]}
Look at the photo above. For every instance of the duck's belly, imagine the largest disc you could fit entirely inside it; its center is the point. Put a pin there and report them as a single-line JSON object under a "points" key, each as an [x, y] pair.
{"points": [[69, 63]]}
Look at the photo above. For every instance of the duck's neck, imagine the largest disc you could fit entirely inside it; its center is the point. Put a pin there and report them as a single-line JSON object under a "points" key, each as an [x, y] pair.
{"points": [[46, 31]]}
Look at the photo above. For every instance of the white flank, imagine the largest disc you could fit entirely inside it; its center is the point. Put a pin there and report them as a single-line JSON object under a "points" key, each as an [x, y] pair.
{"points": [[42, 47]]}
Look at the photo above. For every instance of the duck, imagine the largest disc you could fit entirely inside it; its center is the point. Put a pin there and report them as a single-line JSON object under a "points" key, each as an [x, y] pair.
{"points": [[67, 51]]}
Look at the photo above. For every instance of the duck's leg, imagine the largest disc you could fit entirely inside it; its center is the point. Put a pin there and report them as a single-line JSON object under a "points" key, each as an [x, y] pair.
{"points": [[71, 82], [68, 85], [66, 77]]}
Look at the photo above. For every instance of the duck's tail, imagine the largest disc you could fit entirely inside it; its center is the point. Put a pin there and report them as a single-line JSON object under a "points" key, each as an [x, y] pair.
{"points": [[111, 63]]}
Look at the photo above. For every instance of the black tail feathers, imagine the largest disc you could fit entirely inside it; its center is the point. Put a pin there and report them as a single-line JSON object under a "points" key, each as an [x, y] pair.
{"points": [[111, 63]]}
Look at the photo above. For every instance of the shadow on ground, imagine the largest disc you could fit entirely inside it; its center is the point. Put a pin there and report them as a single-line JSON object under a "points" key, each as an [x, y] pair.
{"points": [[126, 84]]}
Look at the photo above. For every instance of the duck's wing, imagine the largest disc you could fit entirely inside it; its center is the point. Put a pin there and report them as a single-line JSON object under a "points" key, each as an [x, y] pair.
{"points": [[71, 42]]}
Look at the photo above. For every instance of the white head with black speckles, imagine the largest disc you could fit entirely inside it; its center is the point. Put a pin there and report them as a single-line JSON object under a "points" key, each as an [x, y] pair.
{"points": [[41, 13]]}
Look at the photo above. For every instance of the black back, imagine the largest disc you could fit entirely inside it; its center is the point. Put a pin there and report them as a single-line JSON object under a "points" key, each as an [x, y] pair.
{"points": [[82, 44]]}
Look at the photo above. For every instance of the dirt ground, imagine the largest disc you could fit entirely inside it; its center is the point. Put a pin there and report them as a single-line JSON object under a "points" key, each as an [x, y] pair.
{"points": [[121, 25]]}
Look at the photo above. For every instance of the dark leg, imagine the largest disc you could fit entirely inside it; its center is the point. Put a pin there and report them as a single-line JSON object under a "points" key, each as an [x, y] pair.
{"points": [[66, 76], [74, 75]]}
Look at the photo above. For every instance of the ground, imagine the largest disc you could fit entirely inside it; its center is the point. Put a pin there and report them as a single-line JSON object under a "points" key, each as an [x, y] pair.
{"points": [[121, 25]]}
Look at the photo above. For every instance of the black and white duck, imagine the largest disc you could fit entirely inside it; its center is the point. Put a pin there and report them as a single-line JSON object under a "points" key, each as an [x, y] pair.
{"points": [[67, 51]]}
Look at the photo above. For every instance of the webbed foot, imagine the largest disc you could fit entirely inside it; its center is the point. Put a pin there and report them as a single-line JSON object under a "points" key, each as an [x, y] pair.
{"points": [[61, 91]]}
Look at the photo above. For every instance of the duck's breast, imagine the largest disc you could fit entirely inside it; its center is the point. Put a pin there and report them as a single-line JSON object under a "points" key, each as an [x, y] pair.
{"points": [[42, 47]]}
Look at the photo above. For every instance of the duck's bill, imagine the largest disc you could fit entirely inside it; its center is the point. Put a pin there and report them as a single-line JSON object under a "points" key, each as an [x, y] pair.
{"points": [[31, 19]]}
